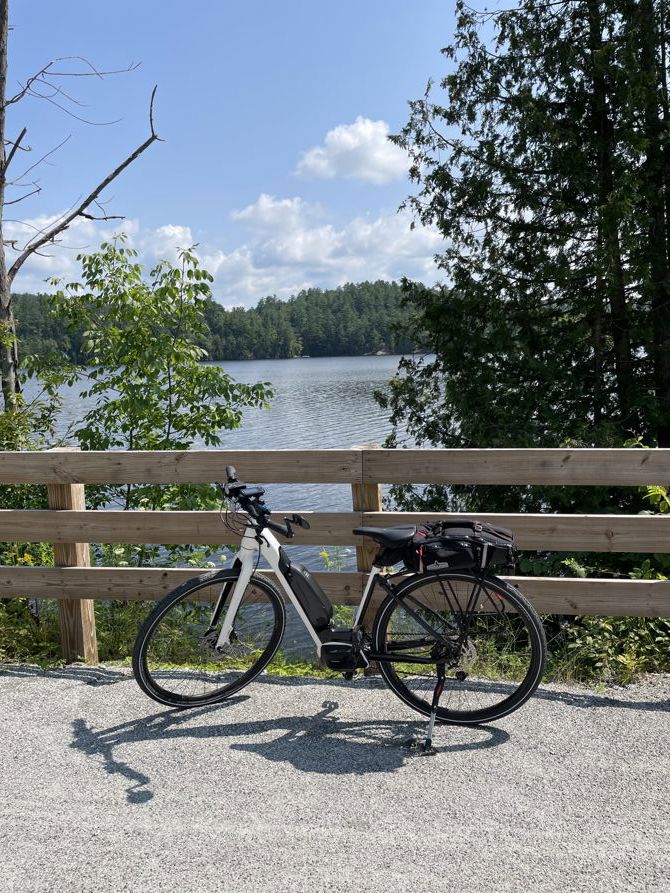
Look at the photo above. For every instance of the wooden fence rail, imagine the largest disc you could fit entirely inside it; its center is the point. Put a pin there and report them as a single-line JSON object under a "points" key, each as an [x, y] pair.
{"points": [[69, 526], [557, 595], [583, 467], [584, 533]]}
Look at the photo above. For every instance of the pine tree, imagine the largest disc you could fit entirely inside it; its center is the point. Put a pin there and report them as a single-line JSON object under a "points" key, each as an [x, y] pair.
{"points": [[543, 158]]}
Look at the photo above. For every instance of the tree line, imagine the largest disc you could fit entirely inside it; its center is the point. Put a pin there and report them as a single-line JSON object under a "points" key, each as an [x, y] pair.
{"points": [[352, 320]]}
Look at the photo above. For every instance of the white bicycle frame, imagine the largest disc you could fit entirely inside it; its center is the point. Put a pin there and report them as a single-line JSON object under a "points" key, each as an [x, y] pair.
{"points": [[269, 550]]}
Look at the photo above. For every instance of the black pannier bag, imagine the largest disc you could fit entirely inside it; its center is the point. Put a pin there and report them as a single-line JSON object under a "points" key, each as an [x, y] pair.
{"points": [[460, 544], [313, 600]]}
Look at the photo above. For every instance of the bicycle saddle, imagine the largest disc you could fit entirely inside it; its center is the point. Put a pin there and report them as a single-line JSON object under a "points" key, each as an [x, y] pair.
{"points": [[387, 536]]}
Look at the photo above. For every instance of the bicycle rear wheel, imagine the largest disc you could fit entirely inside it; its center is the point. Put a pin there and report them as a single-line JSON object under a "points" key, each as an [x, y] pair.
{"points": [[495, 648], [175, 659]]}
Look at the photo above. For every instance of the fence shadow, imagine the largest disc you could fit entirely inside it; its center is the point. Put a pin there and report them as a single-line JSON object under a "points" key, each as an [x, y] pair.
{"points": [[587, 700], [321, 744], [88, 675]]}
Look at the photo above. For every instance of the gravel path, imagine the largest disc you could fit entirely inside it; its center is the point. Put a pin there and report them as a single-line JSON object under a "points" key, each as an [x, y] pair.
{"points": [[303, 786]]}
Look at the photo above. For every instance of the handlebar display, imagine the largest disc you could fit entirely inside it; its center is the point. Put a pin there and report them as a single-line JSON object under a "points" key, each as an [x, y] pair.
{"points": [[250, 501]]}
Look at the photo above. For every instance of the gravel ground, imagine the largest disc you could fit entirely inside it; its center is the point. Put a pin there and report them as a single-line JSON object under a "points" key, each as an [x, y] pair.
{"points": [[304, 786]]}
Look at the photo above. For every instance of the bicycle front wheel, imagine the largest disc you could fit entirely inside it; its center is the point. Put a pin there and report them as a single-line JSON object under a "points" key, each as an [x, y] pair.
{"points": [[176, 660], [494, 647]]}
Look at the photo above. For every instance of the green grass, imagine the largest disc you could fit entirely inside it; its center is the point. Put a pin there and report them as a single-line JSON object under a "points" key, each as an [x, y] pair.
{"points": [[588, 650]]}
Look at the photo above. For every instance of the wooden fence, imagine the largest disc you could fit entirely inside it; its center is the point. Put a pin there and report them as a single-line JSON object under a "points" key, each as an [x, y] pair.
{"points": [[69, 526]]}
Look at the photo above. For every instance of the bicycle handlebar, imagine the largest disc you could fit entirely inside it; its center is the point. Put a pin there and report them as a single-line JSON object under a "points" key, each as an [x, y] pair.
{"points": [[281, 529], [250, 501]]}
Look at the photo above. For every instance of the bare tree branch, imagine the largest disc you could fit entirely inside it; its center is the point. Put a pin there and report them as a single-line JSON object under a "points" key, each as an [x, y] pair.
{"points": [[87, 216], [39, 160], [42, 76], [80, 210], [12, 152], [47, 226], [94, 72], [67, 111], [58, 91], [11, 143], [15, 201]]}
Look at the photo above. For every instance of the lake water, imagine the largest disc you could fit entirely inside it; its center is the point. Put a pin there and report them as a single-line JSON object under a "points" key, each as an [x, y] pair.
{"points": [[321, 403]]}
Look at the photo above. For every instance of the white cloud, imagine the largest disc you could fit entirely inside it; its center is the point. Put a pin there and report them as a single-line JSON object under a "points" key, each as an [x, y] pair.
{"points": [[360, 151], [295, 252], [269, 213], [285, 245], [164, 242]]}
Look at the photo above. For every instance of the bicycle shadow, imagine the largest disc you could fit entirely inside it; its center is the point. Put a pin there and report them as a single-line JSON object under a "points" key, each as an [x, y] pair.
{"points": [[321, 744]]}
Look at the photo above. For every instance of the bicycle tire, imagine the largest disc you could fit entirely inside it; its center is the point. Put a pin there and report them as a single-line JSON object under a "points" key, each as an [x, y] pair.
{"points": [[509, 597], [154, 685]]}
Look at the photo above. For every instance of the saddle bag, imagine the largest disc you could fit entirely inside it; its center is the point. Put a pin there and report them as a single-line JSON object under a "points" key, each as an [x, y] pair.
{"points": [[460, 544], [313, 600]]}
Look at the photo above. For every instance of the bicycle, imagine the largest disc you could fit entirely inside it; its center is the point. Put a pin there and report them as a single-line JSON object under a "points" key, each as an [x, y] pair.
{"points": [[460, 646]]}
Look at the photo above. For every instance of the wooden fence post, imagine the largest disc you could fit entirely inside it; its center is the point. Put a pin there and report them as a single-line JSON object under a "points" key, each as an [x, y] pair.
{"points": [[366, 498], [76, 616]]}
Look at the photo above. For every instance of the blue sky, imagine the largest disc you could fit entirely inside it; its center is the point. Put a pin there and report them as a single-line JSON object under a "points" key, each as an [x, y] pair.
{"points": [[274, 117]]}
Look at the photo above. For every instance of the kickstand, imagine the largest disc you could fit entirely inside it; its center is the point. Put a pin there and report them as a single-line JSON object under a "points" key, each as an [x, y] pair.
{"points": [[427, 748]]}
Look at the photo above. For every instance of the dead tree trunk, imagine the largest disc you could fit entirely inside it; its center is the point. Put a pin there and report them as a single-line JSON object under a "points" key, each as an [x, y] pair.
{"points": [[47, 77], [8, 352]]}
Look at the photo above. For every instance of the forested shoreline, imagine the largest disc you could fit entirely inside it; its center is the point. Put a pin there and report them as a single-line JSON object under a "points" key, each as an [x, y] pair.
{"points": [[352, 320]]}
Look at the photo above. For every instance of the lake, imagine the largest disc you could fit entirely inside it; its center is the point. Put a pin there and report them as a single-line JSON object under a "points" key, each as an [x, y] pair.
{"points": [[322, 403]]}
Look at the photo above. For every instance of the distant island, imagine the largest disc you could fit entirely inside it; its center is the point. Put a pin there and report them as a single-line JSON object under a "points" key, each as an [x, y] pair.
{"points": [[352, 320]]}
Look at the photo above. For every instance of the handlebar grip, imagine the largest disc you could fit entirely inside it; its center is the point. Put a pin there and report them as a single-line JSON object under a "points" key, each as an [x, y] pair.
{"points": [[281, 529], [231, 473]]}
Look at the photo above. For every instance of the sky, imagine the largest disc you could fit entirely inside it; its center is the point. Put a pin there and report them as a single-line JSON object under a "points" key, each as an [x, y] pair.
{"points": [[274, 117]]}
